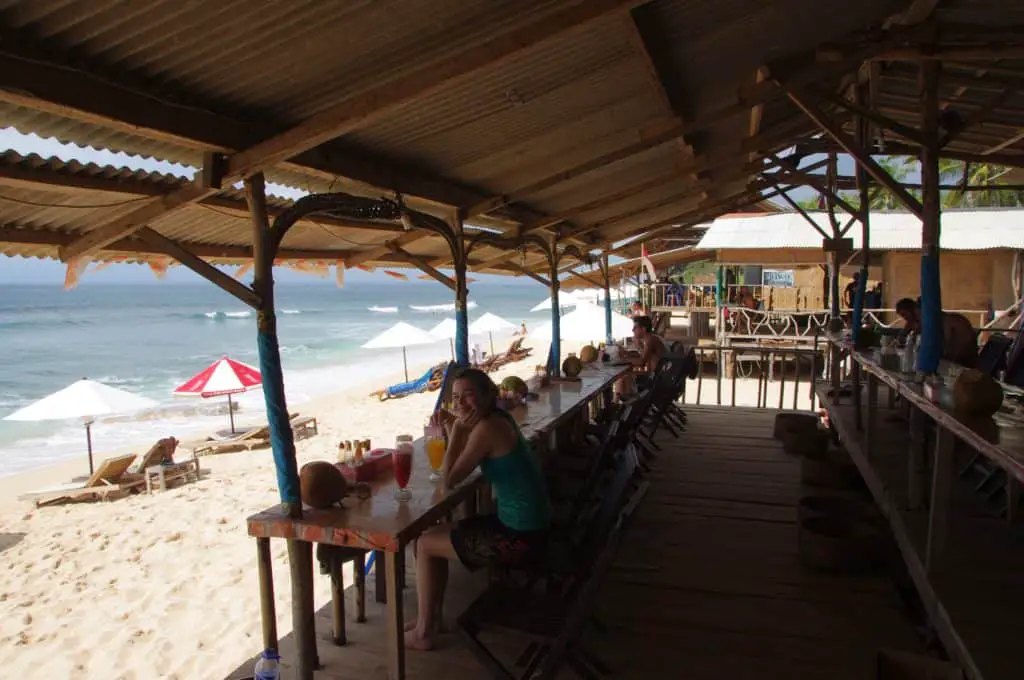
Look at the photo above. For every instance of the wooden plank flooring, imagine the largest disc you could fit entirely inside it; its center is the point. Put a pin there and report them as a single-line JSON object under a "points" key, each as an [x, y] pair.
{"points": [[708, 585], [979, 581]]}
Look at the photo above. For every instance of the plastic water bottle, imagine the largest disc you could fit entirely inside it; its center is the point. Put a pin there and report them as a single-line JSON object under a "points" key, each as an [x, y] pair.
{"points": [[268, 667]]}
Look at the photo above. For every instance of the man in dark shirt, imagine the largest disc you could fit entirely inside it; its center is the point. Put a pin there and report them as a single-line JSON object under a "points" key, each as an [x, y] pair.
{"points": [[960, 342]]}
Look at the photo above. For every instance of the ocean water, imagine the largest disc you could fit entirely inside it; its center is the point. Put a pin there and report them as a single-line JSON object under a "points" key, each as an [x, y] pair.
{"points": [[150, 338]]}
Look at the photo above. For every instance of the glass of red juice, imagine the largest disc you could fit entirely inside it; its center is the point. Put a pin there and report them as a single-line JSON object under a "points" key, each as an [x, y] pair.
{"points": [[401, 459]]}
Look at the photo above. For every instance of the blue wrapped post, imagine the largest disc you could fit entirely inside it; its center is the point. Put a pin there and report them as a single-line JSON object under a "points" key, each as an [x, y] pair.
{"points": [[719, 284], [607, 299], [556, 325], [931, 289], [300, 553], [459, 260]]}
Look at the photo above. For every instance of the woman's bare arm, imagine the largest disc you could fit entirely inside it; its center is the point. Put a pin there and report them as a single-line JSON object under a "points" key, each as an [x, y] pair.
{"points": [[476, 445]]}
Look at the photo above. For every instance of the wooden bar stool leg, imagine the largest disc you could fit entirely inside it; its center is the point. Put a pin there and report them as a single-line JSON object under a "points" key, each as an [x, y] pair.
{"points": [[380, 585], [359, 575], [265, 574], [338, 602]]}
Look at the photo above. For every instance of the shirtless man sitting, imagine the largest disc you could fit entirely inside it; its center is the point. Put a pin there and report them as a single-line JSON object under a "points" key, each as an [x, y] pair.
{"points": [[960, 342], [651, 350]]}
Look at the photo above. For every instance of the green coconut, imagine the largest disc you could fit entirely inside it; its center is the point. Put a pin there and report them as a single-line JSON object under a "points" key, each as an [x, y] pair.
{"points": [[516, 385], [588, 354], [321, 484], [572, 366]]}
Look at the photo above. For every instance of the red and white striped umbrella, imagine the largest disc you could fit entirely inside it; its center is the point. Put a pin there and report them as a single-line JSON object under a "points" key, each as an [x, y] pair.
{"points": [[222, 377]]}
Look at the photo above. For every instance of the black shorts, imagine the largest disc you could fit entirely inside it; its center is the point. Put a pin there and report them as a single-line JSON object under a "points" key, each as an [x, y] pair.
{"points": [[483, 541], [643, 381]]}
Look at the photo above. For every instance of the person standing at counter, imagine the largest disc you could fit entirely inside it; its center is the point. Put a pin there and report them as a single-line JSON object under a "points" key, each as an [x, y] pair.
{"points": [[959, 340]]}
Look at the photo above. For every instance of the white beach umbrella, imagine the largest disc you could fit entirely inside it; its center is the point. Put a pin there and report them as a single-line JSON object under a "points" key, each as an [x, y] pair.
{"points": [[85, 399], [490, 324], [567, 299], [587, 323], [402, 335], [446, 331]]}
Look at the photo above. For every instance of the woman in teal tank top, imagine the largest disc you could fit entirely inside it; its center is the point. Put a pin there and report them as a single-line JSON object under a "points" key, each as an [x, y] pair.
{"points": [[480, 435]]}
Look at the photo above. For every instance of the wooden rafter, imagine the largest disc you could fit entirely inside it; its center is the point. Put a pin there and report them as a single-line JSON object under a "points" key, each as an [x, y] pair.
{"points": [[644, 139], [11, 234], [429, 78], [794, 205], [424, 266], [642, 28], [860, 155], [533, 275], [200, 266]]}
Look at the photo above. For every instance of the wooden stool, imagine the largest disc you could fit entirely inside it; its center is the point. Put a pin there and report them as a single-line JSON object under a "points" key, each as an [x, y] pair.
{"points": [[331, 559]]}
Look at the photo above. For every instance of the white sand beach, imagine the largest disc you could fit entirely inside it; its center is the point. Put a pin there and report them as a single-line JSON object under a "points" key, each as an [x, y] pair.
{"points": [[164, 585]]}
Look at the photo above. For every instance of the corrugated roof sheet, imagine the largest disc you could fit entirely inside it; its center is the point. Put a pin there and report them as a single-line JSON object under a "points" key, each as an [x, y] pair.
{"points": [[961, 230]]}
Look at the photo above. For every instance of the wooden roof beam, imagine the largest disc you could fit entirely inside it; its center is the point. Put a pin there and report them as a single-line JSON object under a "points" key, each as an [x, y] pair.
{"points": [[643, 29], [13, 234], [859, 154], [429, 78], [424, 266]]}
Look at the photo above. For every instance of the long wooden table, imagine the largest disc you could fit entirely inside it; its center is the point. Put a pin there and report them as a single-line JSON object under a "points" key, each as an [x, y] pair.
{"points": [[958, 561], [387, 525]]}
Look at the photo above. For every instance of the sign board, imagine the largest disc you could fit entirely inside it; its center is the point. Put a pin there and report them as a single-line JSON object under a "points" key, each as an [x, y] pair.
{"points": [[779, 278]]}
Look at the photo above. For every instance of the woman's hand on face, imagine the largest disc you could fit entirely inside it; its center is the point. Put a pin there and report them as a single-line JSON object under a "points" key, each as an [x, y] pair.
{"points": [[441, 418], [467, 422]]}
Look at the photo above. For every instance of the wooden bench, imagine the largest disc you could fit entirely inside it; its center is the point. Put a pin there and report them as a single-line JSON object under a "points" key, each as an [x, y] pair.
{"points": [[158, 476]]}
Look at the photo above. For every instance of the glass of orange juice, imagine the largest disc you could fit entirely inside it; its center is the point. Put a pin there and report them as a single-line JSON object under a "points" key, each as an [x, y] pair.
{"points": [[433, 437]]}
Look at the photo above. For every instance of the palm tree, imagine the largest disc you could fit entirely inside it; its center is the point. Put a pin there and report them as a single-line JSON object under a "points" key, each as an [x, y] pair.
{"points": [[953, 172]]}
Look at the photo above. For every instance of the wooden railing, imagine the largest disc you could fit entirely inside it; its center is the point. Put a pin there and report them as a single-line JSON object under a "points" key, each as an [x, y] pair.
{"points": [[784, 376]]}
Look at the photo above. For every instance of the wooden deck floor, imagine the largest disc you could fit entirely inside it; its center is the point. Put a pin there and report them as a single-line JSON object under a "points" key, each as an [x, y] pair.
{"points": [[977, 583], [708, 585]]}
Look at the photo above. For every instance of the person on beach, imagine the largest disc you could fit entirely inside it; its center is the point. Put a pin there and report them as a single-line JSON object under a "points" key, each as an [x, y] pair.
{"points": [[651, 349], [522, 331], [480, 435], [960, 342]]}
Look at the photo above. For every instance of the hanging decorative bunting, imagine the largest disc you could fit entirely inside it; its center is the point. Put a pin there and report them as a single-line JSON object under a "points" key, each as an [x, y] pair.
{"points": [[159, 267], [366, 268], [75, 269], [339, 273], [243, 270], [396, 275]]}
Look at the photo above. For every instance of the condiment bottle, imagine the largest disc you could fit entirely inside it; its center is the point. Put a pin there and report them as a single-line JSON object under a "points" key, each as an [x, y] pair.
{"points": [[341, 452], [359, 452]]}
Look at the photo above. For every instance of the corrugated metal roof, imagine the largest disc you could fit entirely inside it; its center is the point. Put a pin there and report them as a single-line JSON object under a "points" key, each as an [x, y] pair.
{"points": [[961, 230], [557, 106]]}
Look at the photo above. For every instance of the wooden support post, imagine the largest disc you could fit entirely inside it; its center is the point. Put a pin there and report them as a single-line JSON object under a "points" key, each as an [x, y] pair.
{"points": [[460, 262], [916, 460], [931, 292], [606, 280], [871, 415], [281, 436], [556, 312], [942, 487]]}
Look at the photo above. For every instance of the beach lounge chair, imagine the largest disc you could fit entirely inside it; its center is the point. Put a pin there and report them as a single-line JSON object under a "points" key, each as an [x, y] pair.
{"points": [[162, 450], [253, 438], [109, 478], [515, 352], [430, 380]]}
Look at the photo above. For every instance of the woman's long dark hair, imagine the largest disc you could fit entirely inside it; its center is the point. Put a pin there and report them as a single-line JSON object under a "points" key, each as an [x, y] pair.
{"points": [[486, 390]]}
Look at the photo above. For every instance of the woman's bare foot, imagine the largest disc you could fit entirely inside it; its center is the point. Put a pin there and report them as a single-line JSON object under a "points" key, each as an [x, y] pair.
{"points": [[442, 627], [420, 643]]}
